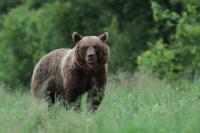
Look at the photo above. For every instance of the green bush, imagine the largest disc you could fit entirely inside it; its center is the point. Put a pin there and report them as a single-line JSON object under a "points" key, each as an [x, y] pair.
{"points": [[158, 59], [25, 38], [31, 28], [6, 5], [181, 41]]}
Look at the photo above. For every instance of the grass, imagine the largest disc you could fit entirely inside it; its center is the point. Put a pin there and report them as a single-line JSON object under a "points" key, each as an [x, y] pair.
{"points": [[139, 104]]}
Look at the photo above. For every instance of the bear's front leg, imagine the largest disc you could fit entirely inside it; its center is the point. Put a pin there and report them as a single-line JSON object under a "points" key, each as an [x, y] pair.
{"points": [[72, 100], [96, 94], [71, 97], [94, 98], [77, 105]]}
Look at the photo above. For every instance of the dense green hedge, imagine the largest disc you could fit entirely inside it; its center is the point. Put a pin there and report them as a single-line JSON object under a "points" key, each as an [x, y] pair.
{"points": [[161, 36], [177, 53]]}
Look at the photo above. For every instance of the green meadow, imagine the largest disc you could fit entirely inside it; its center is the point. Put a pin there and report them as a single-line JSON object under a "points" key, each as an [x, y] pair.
{"points": [[132, 104]]}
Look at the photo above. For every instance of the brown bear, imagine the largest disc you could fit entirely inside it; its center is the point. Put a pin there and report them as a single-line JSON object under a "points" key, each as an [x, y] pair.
{"points": [[69, 73]]}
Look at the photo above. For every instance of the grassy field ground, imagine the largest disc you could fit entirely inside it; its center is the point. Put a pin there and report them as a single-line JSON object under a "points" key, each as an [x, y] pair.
{"points": [[131, 105]]}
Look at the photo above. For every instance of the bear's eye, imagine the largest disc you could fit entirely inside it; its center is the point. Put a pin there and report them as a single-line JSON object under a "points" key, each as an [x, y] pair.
{"points": [[84, 48], [96, 47]]}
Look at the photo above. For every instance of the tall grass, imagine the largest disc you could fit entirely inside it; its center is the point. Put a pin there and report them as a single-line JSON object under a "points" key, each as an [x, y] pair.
{"points": [[139, 104]]}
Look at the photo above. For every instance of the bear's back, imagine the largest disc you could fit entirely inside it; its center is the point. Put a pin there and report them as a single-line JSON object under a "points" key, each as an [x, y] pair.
{"points": [[47, 68]]}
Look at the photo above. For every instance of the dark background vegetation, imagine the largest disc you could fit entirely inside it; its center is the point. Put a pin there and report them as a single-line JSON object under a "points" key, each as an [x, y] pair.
{"points": [[160, 36]]}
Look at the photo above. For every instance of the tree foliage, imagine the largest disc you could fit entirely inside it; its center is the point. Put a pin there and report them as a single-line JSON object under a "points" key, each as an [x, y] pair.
{"points": [[161, 36], [180, 33]]}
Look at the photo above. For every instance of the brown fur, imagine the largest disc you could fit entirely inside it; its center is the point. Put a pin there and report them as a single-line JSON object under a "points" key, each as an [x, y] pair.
{"points": [[67, 73]]}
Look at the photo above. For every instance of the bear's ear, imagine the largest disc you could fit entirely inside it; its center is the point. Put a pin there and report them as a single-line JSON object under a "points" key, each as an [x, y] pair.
{"points": [[104, 37], [76, 37]]}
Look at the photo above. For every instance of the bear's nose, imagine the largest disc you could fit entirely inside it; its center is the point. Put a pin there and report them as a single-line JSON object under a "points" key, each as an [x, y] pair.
{"points": [[91, 58], [91, 55]]}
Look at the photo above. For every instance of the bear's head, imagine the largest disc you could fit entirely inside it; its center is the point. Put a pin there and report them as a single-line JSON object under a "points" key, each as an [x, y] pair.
{"points": [[91, 51]]}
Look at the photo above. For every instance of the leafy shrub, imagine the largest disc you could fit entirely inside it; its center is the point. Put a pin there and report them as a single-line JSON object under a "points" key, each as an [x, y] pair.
{"points": [[158, 59], [179, 56], [25, 38], [6, 5]]}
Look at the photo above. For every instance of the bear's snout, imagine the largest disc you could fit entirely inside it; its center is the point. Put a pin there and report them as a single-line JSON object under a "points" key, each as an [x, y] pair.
{"points": [[91, 55]]}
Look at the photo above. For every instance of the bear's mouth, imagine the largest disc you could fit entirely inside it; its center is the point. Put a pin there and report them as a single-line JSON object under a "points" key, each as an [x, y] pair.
{"points": [[91, 61]]}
